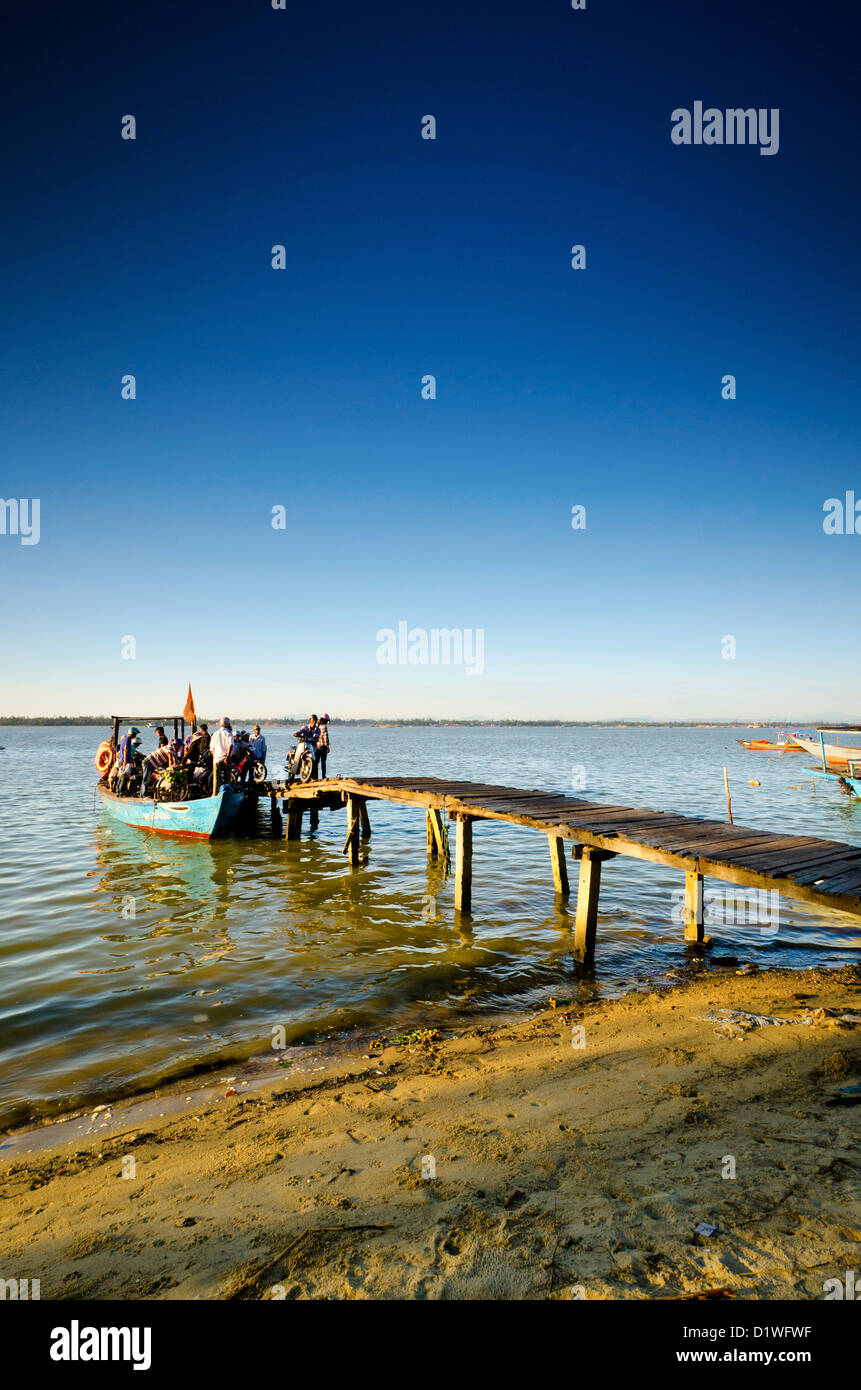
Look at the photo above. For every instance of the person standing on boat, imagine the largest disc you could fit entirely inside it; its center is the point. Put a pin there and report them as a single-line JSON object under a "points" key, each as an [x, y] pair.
{"points": [[161, 735], [323, 745], [221, 747], [125, 764]]}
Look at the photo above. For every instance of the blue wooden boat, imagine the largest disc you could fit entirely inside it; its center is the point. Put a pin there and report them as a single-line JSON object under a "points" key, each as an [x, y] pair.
{"points": [[197, 820], [848, 781], [851, 785]]}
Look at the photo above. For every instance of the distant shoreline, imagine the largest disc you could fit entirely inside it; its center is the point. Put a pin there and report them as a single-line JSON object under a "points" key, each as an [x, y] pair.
{"points": [[285, 721]]}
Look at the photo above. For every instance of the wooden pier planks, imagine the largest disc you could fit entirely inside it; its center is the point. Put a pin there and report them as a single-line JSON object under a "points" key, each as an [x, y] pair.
{"points": [[825, 872]]}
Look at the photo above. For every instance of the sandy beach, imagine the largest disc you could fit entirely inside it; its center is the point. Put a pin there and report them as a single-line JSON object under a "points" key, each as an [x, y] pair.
{"points": [[570, 1154]]}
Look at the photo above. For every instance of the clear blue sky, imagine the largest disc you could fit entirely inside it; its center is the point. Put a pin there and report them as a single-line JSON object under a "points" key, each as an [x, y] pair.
{"points": [[406, 256]]}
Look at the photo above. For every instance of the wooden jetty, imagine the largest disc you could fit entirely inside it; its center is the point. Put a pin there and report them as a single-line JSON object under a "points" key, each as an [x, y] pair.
{"points": [[824, 872]]}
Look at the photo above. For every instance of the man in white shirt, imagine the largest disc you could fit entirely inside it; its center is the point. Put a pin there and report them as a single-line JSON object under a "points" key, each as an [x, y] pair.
{"points": [[221, 747]]}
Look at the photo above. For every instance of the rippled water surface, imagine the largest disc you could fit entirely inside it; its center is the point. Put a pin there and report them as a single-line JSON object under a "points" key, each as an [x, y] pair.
{"points": [[129, 958]]}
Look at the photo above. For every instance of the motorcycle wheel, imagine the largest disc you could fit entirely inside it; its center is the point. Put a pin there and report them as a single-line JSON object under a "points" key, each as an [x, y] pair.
{"points": [[258, 772], [306, 767], [162, 793]]}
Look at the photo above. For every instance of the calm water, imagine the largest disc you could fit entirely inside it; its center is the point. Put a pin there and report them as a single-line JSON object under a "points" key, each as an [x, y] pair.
{"points": [[129, 958]]}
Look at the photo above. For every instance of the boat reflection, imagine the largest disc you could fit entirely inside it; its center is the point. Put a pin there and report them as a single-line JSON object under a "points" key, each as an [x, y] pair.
{"points": [[191, 880]]}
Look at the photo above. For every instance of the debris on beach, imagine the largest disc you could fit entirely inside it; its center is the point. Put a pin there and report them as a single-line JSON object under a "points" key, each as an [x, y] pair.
{"points": [[830, 1018], [419, 1037], [739, 1018]]}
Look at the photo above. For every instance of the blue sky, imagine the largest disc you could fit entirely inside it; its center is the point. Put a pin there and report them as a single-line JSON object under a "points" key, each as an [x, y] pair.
{"points": [[405, 257]]}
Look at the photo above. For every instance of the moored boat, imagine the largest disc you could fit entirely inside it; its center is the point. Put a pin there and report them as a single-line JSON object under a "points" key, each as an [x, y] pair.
{"points": [[788, 744], [835, 745], [198, 820], [178, 804], [848, 782]]}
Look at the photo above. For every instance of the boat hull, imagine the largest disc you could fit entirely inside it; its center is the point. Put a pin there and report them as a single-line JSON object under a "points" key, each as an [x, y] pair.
{"points": [[834, 752], [194, 820], [850, 785], [762, 745]]}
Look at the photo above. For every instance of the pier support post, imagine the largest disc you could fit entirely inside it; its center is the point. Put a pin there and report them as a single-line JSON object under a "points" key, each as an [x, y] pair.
{"points": [[314, 816], [354, 822], [560, 868], [294, 819], [432, 849], [588, 888], [436, 841], [363, 816], [463, 865], [693, 909]]}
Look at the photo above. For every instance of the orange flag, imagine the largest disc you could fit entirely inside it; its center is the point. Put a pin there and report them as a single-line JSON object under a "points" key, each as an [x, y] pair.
{"points": [[188, 713]]}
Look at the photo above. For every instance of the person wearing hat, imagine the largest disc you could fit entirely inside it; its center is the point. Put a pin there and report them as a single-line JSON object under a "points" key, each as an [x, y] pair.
{"points": [[323, 745]]}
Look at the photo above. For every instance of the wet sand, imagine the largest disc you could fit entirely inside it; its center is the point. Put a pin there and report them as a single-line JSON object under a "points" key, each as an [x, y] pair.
{"points": [[559, 1171]]}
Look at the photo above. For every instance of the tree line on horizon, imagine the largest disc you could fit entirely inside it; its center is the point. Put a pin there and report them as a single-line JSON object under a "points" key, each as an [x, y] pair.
{"points": [[283, 721]]}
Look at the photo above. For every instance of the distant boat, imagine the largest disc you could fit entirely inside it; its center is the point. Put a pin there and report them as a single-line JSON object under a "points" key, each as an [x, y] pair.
{"points": [[788, 744], [197, 820]]}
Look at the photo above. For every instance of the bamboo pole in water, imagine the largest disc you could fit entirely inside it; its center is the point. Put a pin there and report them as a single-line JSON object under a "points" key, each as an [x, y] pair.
{"points": [[728, 800]]}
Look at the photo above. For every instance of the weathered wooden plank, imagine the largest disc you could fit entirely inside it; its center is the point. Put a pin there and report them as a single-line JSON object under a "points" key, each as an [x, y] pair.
{"points": [[849, 883], [745, 851], [703, 844], [849, 890], [835, 866], [779, 861], [517, 799]]}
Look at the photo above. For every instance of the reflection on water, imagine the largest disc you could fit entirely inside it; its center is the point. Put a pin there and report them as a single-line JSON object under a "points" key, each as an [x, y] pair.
{"points": [[129, 958]]}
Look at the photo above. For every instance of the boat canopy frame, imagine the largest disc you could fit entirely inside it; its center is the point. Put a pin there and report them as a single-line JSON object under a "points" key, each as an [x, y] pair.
{"points": [[177, 720]]}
